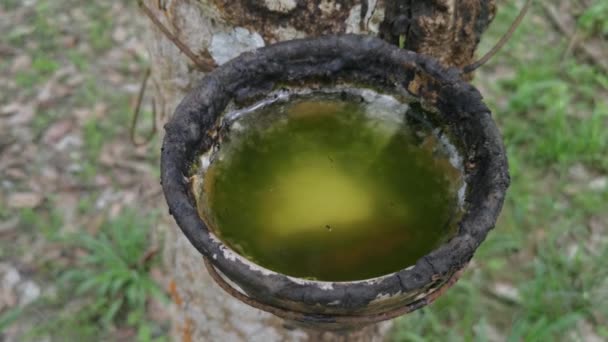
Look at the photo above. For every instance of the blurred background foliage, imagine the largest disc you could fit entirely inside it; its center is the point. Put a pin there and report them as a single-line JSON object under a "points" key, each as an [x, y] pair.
{"points": [[542, 274], [79, 257]]}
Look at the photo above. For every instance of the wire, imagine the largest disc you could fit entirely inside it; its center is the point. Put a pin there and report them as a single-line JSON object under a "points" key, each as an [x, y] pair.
{"points": [[135, 117], [505, 38]]}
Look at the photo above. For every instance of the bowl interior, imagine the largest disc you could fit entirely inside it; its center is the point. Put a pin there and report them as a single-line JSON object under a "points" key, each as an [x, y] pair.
{"points": [[331, 183]]}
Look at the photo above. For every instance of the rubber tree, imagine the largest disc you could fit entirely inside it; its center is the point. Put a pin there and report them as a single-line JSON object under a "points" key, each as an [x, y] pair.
{"points": [[218, 30]]}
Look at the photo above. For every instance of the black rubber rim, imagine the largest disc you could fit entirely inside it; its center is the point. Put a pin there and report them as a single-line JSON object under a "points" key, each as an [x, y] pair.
{"points": [[354, 58]]}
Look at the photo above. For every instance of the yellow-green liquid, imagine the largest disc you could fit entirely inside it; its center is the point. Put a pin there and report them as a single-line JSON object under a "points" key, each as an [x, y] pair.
{"points": [[318, 189]]}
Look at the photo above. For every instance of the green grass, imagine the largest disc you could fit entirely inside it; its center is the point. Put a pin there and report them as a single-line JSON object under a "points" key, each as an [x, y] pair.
{"points": [[9, 317], [94, 137], [43, 66], [109, 287], [563, 123], [595, 18], [99, 31], [114, 268], [101, 278], [42, 121], [79, 60], [552, 115], [46, 221]]}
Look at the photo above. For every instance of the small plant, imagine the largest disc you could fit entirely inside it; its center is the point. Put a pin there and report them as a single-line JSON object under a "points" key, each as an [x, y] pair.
{"points": [[48, 222], [593, 20], [112, 277], [94, 138]]}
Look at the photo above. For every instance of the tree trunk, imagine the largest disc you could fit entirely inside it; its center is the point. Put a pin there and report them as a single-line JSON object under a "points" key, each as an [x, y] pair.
{"points": [[217, 30]]}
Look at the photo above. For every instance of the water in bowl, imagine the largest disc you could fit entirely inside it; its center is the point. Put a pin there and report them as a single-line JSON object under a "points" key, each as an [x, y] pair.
{"points": [[332, 187]]}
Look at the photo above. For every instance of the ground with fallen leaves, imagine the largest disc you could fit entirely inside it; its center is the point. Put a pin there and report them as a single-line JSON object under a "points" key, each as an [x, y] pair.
{"points": [[69, 76], [71, 182]]}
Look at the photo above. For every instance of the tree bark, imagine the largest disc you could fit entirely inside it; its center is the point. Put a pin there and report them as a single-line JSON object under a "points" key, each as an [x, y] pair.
{"points": [[217, 30]]}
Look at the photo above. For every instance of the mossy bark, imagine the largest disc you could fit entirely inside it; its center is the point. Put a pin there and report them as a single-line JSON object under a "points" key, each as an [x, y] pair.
{"points": [[218, 29]]}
